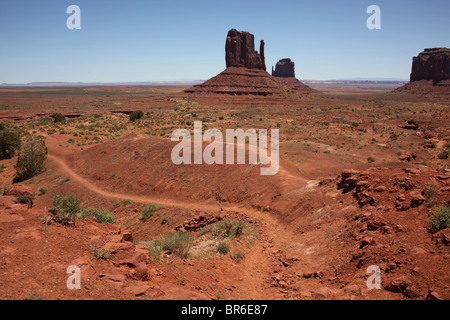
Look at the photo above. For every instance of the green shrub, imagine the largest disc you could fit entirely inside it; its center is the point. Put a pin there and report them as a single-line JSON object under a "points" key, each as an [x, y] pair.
{"points": [[179, 243], [135, 115], [26, 199], [96, 250], [58, 117], [229, 229], [65, 208], [164, 219], [443, 155], [102, 215], [370, 159], [154, 249], [394, 136], [430, 190], [62, 181], [223, 247], [440, 219], [127, 202], [9, 143], [149, 210], [31, 158], [237, 256], [205, 230], [42, 190]]}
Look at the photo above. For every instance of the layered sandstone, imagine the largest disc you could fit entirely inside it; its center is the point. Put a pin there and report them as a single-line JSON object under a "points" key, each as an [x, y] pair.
{"points": [[285, 71], [430, 73], [285, 68], [240, 51], [245, 76], [431, 64]]}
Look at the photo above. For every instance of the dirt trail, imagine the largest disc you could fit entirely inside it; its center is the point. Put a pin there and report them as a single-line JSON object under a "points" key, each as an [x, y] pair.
{"points": [[271, 221], [277, 235]]}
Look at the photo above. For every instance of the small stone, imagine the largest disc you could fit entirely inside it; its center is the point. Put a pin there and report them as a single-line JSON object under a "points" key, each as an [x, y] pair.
{"points": [[127, 236], [353, 290]]}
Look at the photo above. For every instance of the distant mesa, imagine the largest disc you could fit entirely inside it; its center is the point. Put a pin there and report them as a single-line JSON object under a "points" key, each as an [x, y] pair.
{"points": [[431, 64], [285, 68], [245, 75], [430, 72], [285, 71]]}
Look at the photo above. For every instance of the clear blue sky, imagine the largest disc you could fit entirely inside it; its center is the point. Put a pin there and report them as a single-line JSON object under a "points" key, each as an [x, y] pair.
{"points": [[146, 40]]}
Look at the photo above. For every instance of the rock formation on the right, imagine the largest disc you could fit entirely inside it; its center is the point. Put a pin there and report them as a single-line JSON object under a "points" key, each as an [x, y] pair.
{"points": [[285, 68], [430, 73], [431, 64], [285, 71]]}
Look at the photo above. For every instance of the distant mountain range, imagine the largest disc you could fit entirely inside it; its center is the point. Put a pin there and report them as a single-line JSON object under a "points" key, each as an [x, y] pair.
{"points": [[194, 82], [82, 84]]}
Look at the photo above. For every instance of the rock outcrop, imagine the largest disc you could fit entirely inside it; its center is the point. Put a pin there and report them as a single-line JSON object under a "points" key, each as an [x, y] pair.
{"points": [[431, 64], [285, 71], [245, 80], [240, 51], [285, 68], [430, 73]]}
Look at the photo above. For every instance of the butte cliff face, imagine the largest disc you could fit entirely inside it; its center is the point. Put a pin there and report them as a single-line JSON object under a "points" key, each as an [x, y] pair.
{"points": [[285, 71], [245, 80], [285, 68], [430, 73], [240, 51], [431, 64]]}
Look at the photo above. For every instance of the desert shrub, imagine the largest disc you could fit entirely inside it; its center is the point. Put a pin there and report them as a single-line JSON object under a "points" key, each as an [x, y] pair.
{"points": [[149, 210], [62, 181], [65, 208], [98, 253], [42, 190], [155, 250], [31, 158], [164, 219], [440, 219], [127, 202], [223, 247], [394, 136], [443, 155], [135, 115], [9, 143], [430, 190], [237, 256], [58, 117], [26, 199], [229, 228], [179, 243], [102, 215], [205, 230], [370, 159]]}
